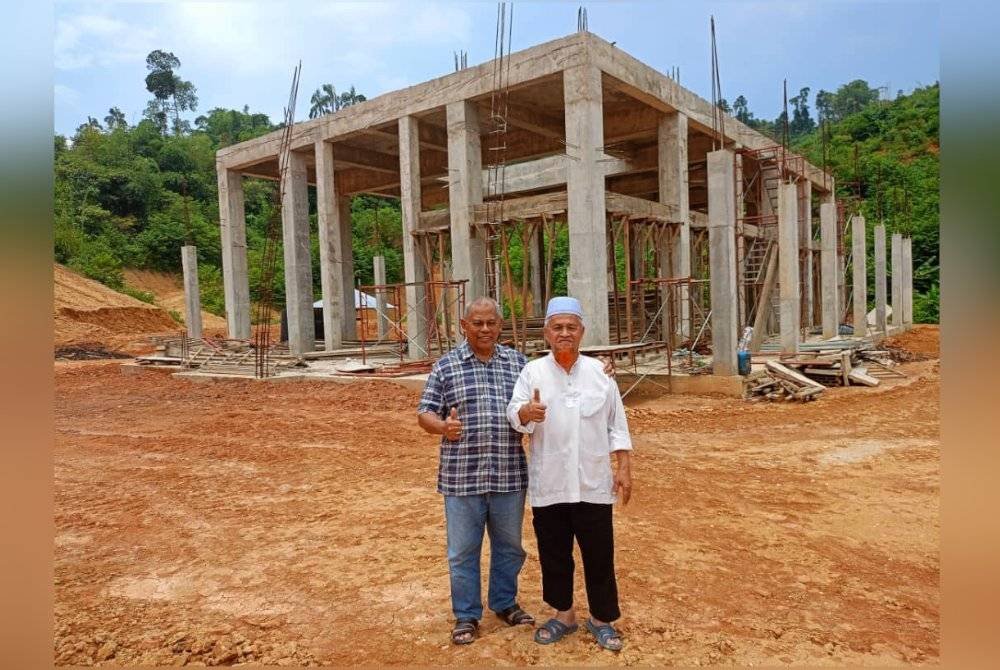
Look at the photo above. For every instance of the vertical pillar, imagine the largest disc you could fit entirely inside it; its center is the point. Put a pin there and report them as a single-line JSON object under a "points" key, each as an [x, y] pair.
{"points": [[828, 269], [880, 278], [897, 280], [788, 267], [233, 230], [722, 260], [465, 168], [907, 282], [331, 253], [413, 265], [298, 261], [348, 323], [588, 260], [378, 263], [860, 276], [536, 259], [808, 309], [192, 296], [672, 140]]}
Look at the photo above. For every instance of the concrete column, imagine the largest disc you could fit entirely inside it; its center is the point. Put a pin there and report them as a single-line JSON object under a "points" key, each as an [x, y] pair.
{"points": [[536, 271], [828, 269], [788, 267], [672, 141], [233, 230], [897, 280], [413, 264], [808, 308], [348, 324], [192, 296], [298, 261], [336, 295], [588, 261], [859, 276], [465, 169], [722, 260], [907, 282], [880, 278], [378, 263]]}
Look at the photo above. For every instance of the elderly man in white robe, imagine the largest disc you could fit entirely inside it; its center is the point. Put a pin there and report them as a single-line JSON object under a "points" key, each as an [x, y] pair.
{"points": [[575, 418]]}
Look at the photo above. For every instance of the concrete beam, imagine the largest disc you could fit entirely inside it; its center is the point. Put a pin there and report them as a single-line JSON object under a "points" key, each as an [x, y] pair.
{"points": [[788, 267], [233, 230], [192, 296], [298, 252], [465, 191], [413, 265], [897, 280], [587, 278], [722, 259], [880, 280], [859, 277], [672, 175], [828, 268], [907, 282]]}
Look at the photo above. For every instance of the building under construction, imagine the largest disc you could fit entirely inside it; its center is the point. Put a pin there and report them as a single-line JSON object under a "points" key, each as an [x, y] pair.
{"points": [[684, 225]]}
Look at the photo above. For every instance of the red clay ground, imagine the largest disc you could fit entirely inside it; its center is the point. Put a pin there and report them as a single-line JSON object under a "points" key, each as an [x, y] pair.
{"points": [[297, 523]]}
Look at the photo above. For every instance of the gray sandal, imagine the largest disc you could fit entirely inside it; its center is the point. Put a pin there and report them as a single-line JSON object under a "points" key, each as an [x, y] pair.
{"points": [[557, 631], [605, 635], [464, 627]]}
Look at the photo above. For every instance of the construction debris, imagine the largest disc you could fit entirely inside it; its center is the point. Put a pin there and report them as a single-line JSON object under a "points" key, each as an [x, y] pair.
{"points": [[804, 376]]}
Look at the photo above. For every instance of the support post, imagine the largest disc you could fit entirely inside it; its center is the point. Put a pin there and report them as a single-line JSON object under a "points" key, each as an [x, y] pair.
{"points": [[536, 256], [298, 252], [588, 264], [348, 323], [233, 230], [465, 168], [788, 263], [722, 259], [806, 273], [337, 296], [828, 268], [880, 278], [413, 264], [907, 282], [672, 157], [897, 280], [192, 296], [859, 276], [378, 263]]}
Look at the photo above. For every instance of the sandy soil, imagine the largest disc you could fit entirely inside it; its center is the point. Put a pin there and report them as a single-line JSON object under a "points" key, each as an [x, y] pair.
{"points": [[168, 292], [297, 523]]}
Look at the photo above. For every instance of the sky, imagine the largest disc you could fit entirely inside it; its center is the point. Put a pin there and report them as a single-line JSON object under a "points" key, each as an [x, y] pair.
{"points": [[243, 53]]}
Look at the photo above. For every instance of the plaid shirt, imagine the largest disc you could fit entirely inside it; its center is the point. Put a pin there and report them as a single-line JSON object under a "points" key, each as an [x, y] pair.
{"points": [[488, 457]]}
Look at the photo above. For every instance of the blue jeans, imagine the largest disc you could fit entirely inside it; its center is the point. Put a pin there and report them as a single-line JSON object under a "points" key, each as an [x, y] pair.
{"points": [[501, 514]]}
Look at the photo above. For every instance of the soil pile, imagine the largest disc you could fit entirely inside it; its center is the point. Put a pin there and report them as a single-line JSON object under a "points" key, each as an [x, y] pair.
{"points": [[89, 314], [168, 293], [921, 343]]}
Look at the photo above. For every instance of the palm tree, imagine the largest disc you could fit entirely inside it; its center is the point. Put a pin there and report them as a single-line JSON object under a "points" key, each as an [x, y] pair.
{"points": [[323, 101]]}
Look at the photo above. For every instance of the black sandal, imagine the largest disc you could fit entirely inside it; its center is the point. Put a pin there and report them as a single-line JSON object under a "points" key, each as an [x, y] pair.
{"points": [[514, 616], [464, 627]]}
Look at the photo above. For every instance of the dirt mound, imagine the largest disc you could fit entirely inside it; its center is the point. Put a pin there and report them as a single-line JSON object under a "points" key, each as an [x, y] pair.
{"points": [[921, 343], [168, 293], [89, 314]]}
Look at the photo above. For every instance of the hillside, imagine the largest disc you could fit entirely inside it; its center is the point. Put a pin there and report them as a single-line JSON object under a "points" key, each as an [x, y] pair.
{"points": [[168, 292]]}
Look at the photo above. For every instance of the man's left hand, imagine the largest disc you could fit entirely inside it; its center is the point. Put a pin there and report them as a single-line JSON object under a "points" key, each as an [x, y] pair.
{"points": [[623, 483]]}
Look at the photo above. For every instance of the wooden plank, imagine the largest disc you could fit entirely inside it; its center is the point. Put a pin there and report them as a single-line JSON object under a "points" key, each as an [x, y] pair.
{"points": [[859, 375], [790, 375]]}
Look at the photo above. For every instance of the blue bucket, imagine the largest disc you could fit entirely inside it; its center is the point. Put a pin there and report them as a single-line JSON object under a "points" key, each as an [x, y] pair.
{"points": [[743, 362]]}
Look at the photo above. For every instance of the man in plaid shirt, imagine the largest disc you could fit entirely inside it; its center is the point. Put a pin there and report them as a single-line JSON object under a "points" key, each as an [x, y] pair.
{"points": [[482, 473]]}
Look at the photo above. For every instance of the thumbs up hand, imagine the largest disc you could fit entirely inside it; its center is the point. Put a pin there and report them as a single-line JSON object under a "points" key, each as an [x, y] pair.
{"points": [[533, 410], [452, 425]]}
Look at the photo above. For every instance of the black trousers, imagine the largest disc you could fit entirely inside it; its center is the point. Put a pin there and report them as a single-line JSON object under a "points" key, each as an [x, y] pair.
{"points": [[555, 528]]}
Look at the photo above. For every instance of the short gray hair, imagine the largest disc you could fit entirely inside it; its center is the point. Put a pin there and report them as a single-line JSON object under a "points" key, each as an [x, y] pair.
{"points": [[482, 301]]}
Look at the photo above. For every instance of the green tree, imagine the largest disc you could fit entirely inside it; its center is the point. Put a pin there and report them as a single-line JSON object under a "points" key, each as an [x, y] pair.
{"points": [[171, 94], [115, 119]]}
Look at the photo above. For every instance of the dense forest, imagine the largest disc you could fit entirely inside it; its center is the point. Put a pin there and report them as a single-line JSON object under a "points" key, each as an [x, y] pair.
{"points": [[132, 195]]}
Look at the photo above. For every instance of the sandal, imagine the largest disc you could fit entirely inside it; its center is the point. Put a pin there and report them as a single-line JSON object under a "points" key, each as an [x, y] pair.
{"points": [[514, 616], [605, 635], [462, 628], [557, 631]]}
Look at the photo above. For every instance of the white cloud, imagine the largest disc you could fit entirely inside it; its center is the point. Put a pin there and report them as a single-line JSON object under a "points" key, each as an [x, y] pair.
{"points": [[64, 95], [88, 40]]}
